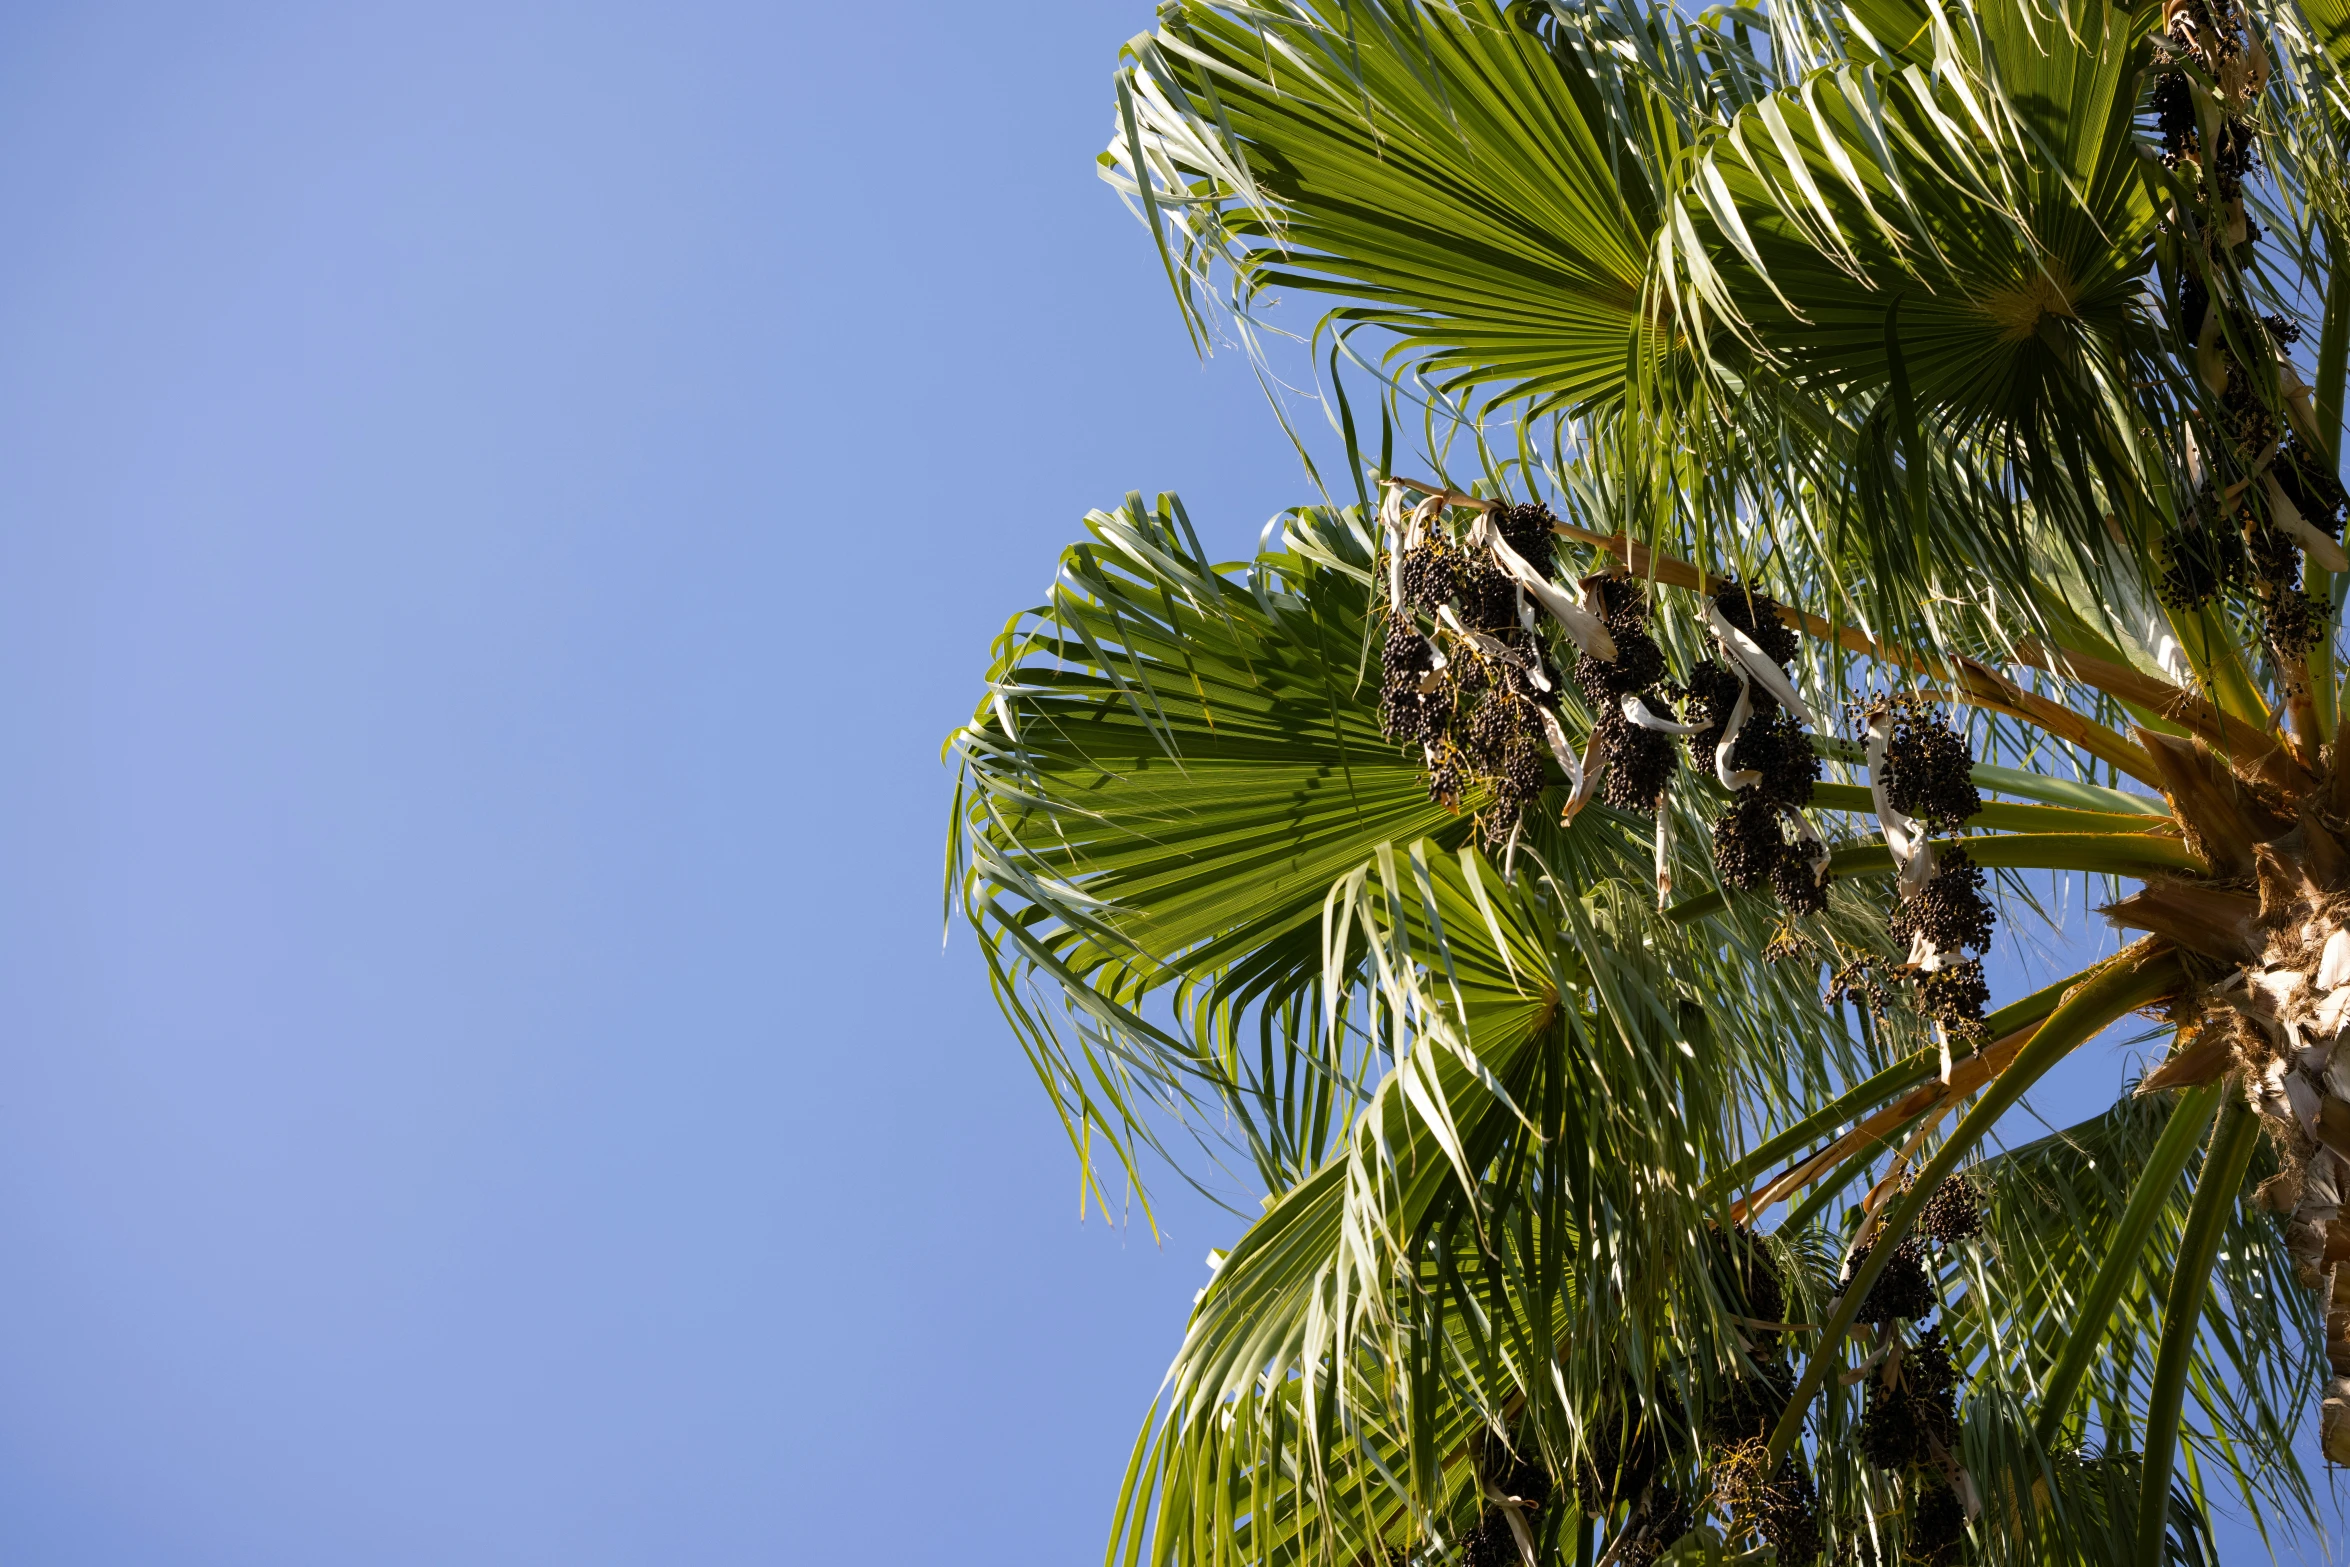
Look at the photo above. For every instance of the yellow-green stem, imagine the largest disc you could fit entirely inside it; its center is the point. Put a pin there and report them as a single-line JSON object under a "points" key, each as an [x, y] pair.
{"points": [[2216, 1192]]}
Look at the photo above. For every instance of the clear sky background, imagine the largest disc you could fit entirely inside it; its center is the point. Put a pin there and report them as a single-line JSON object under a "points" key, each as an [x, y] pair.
{"points": [[499, 505]]}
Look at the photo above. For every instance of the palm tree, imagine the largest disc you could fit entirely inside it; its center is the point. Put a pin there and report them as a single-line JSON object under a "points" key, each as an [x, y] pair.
{"points": [[1837, 469]]}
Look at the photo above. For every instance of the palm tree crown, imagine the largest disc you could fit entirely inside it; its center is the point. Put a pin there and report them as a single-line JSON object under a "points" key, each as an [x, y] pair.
{"points": [[1833, 465]]}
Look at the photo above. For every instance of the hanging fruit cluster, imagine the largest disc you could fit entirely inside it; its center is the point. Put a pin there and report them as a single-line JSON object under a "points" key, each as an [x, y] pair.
{"points": [[1465, 673], [1904, 1291], [1921, 777], [1748, 730], [1634, 741], [1467, 680], [1911, 1416], [1747, 1278], [2266, 501], [1954, 1213], [1944, 915], [1628, 1458], [1909, 1423], [1781, 1505], [2249, 542], [1929, 766]]}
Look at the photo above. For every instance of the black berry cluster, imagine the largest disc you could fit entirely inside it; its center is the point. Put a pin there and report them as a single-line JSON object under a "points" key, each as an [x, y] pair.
{"points": [[2203, 558], [2291, 619], [1446, 781], [1428, 572], [1929, 766], [1707, 698], [1406, 713], [1789, 1516], [1492, 1543], [2314, 488], [1640, 765], [1774, 745], [1800, 889], [1937, 1526], [1782, 1506], [1527, 530], [1910, 1422], [2173, 103], [1956, 995], [1903, 1292], [1639, 663], [1487, 598], [1751, 840], [1911, 1418], [1954, 1213], [1506, 749], [1930, 1366], [1927, 774], [1950, 911], [1910, 1427], [1476, 718], [1748, 841], [1639, 761], [1440, 571], [2245, 418], [2210, 33], [1758, 615]]}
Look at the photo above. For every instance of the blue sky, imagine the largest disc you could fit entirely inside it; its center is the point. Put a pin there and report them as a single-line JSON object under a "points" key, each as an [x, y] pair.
{"points": [[502, 503]]}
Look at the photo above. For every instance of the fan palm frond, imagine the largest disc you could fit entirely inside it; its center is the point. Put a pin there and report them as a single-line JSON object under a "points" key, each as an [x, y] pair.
{"points": [[1554, 894]]}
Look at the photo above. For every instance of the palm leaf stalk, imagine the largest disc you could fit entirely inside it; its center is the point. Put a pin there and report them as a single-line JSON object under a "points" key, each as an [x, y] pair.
{"points": [[1559, 895], [2223, 1173]]}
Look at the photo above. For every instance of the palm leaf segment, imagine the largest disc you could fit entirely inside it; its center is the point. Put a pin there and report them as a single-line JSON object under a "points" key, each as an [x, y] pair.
{"points": [[1913, 365]]}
